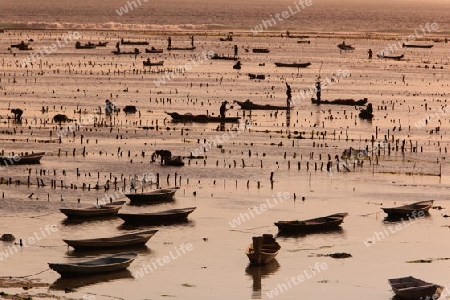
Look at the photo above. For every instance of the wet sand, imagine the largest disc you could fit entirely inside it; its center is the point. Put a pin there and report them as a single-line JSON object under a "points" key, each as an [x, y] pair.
{"points": [[235, 177]]}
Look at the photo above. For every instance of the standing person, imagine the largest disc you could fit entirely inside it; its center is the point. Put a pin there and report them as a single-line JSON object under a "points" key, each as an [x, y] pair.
{"points": [[223, 109], [109, 107], [370, 53], [235, 50], [169, 40], [318, 89], [289, 95], [118, 47], [192, 41]]}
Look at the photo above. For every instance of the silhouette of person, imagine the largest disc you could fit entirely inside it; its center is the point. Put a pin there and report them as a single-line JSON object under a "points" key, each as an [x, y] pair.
{"points": [[370, 53], [318, 89], [192, 41], [235, 50], [223, 109], [118, 46], [169, 40]]}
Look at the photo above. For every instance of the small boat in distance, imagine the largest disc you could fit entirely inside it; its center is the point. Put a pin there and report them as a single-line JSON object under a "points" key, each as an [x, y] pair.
{"points": [[162, 217], [88, 45], [260, 50], [262, 250], [22, 46], [22, 159], [148, 63], [249, 105], [352, 102], [417, 46], [153, 50], [93, 211], [223, 57], [190, 118], [293, 65], [155, 196], [121, 241], [256, 76], [423, 206], [345, 47], [394, 57], [123, 42], [102, 44], [104, 264], [411, 288], [311, 225]]}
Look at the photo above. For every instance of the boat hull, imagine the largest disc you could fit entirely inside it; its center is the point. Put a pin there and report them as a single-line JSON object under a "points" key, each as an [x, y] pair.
{"points": [[101, 265], [252, 106], [293, 65], [188, 118], [405, 210], [312, 225], [93, 211], [26, 159], [352, 102], [122, 241], [151, 197], [410, 288], [163, 217]]}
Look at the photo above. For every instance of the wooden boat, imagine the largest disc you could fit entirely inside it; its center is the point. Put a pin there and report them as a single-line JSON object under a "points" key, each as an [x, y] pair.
{"points": [[133, 42], [417, 46], [256, 76], [423, 206], [394, 57], [100, 265], [155, 196], [229, 38], [115, 52], [263, 249], [346, 47], [153, 50], [237, 66], [89, 45], [102, 44], [223, 57], [411, 288], [304, 42], [22, 46], [121, 241], [94, 211], [149, 63], [22, 159], [359, 102], [260, 50], [130, 109], [178, 48], [162, 217], [190, 118], [316, 224], [293, 65], [366, 114], [249, 105]]}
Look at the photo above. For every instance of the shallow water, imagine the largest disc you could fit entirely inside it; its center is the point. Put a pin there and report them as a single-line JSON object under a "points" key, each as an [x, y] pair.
{"points": [[220, 186]]}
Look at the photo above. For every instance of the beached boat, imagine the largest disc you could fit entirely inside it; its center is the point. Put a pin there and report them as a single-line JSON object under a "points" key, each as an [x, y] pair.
{"points": [[359, 102], [223, 57], [100, 265], [94, 211], [423, 206], [417, 46], [256, 76], [411, 288], [121, 241], [155, 196], [249, 105], [149, 63], [22, 159], [263, 249], [293, 65], [260, 50], [190, 118], [394, 57], [133, 42], [316, 224], [346, 47], [161, 217], [153, 50]]}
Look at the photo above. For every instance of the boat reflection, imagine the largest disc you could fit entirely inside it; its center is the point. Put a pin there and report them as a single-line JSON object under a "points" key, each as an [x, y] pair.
{"points": [[81, 253], [131, 226], [289, 234], [259, 272], [72, 222], [63, 284], [405, 218]]}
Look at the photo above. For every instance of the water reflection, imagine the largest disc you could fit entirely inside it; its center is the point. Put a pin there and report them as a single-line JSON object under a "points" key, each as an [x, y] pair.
{"points": [[259, 272], [140, 249], [74, 221], [290, 234], [405, 218], [78, 282], [131, 226]]}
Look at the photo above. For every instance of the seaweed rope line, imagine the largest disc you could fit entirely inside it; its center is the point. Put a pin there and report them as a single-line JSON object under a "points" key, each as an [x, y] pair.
{"points": [[10, 277]]}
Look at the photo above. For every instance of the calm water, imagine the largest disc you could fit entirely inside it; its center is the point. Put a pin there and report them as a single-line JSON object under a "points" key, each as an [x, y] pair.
{"points": [[220, 186]]}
